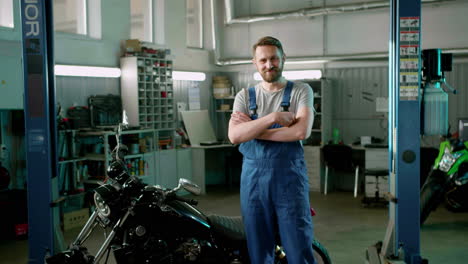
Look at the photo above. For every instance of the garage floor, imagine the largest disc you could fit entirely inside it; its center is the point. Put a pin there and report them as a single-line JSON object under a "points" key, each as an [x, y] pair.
{"points": [[342, 225]]}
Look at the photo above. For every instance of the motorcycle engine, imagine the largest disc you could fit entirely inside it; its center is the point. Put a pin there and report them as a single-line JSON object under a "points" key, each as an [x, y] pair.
{"points": [[192, 250], [189, 250]]}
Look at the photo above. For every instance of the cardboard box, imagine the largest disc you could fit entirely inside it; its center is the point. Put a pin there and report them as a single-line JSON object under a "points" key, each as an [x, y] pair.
{"points": [[75, 219], [224, 107], [132, 45]]}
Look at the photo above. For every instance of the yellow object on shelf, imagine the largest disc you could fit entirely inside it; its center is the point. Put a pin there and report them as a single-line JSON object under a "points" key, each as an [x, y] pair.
{"points": [[221, 87], [224, 107]]}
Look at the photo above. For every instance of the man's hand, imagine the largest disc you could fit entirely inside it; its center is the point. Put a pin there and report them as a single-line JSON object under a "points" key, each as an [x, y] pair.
{"points": [[239, 117], [285, 119]]}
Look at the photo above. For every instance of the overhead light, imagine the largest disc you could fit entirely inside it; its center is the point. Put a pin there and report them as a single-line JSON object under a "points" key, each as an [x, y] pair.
{"points": [[296, 75], [188, 76], [87, 71]]}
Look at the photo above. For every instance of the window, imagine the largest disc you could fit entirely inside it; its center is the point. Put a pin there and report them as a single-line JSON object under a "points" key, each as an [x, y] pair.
{"points": [[194, 29], [6, 13], [147, 20], [81, 17]]}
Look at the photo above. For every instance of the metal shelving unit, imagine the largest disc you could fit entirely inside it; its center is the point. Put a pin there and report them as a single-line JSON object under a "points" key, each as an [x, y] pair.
{"points": [[147, 91], [321, 132], [222, 116]]}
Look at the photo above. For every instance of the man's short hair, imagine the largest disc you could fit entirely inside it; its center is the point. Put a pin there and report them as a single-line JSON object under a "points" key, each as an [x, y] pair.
{"points": [[268, 41]]}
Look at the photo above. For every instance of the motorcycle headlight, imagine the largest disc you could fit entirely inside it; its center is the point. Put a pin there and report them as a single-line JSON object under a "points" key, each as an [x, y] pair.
{"points": [[105, 197], [447, 160], [103, 208]]}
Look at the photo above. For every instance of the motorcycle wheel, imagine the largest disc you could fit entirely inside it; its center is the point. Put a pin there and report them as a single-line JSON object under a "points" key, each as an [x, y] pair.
{"points": [[320, 254], [455, 199], [431, 194]]}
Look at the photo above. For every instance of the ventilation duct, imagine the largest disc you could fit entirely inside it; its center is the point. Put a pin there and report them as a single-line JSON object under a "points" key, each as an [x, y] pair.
{"points": [[311, 12], [307, 12]]}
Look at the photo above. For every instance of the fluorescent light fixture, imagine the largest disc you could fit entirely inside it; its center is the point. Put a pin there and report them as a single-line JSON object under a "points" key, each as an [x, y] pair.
{"points": [[296, 75], [188, 76], [87, 71]]}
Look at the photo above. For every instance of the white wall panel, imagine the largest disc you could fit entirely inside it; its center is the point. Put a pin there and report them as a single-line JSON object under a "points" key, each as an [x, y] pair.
{"points": [[266, 6], [358, 32], [237, 42], [300, 37], [445, 26], [186, 58], [250, 7]]}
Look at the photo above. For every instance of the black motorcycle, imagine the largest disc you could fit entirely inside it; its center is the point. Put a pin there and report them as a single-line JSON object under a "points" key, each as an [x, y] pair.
{"points": [[151, 224]]}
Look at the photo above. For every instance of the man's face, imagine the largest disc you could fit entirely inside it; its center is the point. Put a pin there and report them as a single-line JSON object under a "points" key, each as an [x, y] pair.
{"points": [[269, 63]]}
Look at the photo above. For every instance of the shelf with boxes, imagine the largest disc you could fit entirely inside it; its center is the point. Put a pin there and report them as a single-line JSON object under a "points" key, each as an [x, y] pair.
{"points": [[223, 108], [223, 101], [321, 126], [70, 162], [224, 105], [97, 148], [152, 156], [71, 173], [320, 134], [147, 91]]}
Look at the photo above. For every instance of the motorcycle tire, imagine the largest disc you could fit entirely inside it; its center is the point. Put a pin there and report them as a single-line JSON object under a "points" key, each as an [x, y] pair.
{"points": [[431, 194], [455, 199], [320, 254]]}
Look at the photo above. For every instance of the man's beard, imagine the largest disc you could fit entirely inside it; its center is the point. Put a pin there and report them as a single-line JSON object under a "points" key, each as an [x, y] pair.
{"points": [[273, 76]]}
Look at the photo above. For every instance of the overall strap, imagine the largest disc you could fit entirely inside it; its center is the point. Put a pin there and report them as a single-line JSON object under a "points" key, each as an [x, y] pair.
{"points": [[287, 96], [252, 103]]}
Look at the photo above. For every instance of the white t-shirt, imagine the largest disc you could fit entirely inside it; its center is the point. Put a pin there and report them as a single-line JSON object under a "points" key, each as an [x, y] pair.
{"points": [[268, 102]]}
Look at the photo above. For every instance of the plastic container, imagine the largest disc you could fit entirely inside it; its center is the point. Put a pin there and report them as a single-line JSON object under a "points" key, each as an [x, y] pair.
{"points": [[336, 136], [435, 110]]}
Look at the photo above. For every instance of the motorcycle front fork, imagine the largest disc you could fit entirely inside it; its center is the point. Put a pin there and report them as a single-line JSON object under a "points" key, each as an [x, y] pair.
{"points": [[88, 229]]}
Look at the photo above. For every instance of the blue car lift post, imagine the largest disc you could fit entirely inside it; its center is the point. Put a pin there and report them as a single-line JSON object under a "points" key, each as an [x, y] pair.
{"points": [[40, 134], [402, 239]]}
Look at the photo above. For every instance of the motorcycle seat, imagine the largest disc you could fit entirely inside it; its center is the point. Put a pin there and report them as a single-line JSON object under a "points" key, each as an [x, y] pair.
{"points": [[230, 228]]}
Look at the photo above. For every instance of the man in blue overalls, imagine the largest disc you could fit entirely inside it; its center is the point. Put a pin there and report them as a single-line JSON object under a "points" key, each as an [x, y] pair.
{"points": [[269, 120]]}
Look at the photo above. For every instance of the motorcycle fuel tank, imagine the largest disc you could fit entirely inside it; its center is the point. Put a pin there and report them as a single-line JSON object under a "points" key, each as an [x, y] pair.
{"points": [[190, 212]]}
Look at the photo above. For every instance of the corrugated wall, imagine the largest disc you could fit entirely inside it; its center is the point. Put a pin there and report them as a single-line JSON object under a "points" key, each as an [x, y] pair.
{"points": [[354, 93], [76, 90], [458, 79]]}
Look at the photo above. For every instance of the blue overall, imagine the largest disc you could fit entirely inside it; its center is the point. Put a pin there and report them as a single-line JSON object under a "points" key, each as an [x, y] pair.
{"points": [[274, 196]]}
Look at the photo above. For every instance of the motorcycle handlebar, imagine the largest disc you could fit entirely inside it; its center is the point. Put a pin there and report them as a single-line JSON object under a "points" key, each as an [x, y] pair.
{"points": [[182, 199]]}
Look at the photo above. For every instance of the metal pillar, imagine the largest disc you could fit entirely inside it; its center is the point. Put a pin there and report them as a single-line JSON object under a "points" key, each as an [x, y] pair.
{"points": [[404, 128], [401, 243], [39, 107]]}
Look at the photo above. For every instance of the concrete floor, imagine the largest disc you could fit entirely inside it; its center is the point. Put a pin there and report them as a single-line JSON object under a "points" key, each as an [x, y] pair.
{"points": [[342, 225]]}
